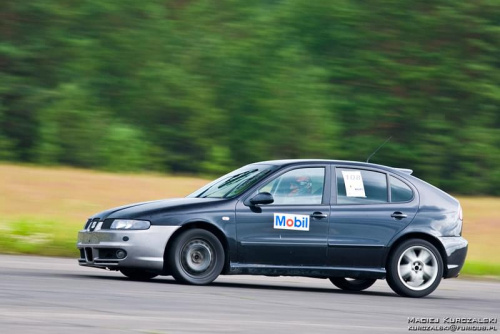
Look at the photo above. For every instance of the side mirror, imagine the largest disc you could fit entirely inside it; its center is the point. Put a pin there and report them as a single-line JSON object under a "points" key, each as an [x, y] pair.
{"points": [[262, 198]]}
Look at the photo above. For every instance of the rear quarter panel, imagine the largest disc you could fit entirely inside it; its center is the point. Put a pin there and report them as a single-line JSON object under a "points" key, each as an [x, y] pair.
{"points": [[437, 214]]}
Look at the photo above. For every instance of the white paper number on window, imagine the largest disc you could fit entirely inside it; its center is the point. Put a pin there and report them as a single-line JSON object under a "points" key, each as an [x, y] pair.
{"points": [[353, 184]]}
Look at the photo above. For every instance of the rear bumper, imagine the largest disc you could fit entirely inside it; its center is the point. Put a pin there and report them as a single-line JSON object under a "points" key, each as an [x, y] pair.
{"points": [[144, 248], [456, 251]]}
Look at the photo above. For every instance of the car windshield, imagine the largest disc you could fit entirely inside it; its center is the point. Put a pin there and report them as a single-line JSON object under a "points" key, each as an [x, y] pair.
{"points": [[234, 183]]}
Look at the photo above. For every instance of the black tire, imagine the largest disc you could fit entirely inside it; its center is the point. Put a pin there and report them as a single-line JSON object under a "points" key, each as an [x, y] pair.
{"points": [[138, 274], [357, 284], [423, 276], [196, 257]]}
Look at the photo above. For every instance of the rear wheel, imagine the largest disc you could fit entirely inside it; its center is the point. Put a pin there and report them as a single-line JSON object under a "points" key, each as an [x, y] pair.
{"points": [[415, 268], [196, 257], [138, 274], [352, 284]]}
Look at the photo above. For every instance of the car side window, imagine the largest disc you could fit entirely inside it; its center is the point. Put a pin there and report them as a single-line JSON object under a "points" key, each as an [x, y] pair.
{"points": [[357, 186], [400, 192], [298, 186]]}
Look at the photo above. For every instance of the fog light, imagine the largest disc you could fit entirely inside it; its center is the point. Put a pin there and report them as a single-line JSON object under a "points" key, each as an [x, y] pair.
{"points": [[120, 254]]}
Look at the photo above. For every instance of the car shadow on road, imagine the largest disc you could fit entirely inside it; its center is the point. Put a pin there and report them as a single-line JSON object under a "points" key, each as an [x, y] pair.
{"points": [[257, 286]]}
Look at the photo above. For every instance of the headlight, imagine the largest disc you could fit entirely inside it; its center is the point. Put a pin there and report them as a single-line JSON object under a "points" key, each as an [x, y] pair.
{"points": [[128, 224]]}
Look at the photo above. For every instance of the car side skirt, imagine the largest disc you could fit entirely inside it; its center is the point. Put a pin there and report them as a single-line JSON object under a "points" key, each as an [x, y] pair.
{"points": [[306, 271]]}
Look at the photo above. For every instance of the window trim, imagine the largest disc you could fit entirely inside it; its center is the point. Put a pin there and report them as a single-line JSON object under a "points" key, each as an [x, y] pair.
{"points": [[374, 171], [327, 189], [334, 190]]}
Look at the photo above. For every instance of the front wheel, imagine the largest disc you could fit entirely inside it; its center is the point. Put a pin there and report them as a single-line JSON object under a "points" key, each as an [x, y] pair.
{"points": [[415, 268], [196, 257], [352, 284]]}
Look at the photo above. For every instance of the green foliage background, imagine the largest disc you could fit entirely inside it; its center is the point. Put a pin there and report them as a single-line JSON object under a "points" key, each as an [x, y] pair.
{"points": [[203, 86]]}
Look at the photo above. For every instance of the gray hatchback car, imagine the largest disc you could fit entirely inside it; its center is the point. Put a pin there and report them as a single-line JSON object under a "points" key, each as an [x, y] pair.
{"points": [[349, 222]]}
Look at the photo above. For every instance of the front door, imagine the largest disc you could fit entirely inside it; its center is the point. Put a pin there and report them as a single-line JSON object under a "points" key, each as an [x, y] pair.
{"points": [[293, 230]]}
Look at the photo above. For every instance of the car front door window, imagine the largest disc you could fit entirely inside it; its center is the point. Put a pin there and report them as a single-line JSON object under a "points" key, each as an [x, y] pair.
{"points": [[301, 186]]}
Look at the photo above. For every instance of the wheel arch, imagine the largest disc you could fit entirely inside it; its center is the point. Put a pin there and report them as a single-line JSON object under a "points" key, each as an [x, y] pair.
{"points": [[204, 225], [424, 236]]}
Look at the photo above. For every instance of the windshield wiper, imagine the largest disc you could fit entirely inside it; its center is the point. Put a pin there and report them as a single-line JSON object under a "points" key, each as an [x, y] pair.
{"points": [[247, 183], [235, 178], [229, 181]]}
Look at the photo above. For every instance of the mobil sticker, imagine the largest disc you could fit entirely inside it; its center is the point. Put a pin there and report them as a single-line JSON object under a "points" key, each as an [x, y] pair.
{"points": [[286, 221]]}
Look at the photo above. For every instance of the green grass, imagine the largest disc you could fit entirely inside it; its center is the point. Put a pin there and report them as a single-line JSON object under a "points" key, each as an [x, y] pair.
{"points": [[475, 268], [38, 237]]}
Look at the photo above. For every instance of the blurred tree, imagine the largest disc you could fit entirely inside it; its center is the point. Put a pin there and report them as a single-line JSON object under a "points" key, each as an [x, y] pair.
{"points": [[72, 129], [127, 149], [205, 86]]}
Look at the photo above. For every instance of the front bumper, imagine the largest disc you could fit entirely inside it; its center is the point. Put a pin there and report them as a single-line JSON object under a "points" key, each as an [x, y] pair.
{"points": [[144, 248], [456, 251]]}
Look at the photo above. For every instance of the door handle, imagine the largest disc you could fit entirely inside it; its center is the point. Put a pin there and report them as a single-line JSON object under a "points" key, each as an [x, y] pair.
{"points": [[319, 215], [398, 215]]}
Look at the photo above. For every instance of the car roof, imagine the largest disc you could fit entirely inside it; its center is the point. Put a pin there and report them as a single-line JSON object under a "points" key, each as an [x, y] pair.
{"points": [[287, 162]]}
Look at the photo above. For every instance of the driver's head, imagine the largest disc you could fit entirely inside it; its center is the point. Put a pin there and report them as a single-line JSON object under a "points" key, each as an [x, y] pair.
{"points": [[301, 185]]}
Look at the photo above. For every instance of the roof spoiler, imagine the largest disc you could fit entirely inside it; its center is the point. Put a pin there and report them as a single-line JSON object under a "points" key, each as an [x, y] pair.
{"points": [[405, 170]]}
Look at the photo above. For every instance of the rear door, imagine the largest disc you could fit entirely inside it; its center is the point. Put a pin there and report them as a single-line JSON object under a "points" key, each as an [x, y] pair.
{"points": [[293, 230], [369, 208]]}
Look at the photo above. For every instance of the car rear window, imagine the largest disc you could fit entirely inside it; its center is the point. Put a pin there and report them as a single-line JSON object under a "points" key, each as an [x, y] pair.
{"points": [[358, 186], [400, 192]]}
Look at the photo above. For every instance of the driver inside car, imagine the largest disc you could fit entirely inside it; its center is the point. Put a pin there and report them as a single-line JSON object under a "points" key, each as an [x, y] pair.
{"points": [[300, 186]]}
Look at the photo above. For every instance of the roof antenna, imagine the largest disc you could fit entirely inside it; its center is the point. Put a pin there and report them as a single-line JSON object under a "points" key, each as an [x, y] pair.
{"points": [[371, 155]]}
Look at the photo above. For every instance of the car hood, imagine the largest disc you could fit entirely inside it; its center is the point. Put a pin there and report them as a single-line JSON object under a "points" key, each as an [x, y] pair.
{"points": [[143, 209]]}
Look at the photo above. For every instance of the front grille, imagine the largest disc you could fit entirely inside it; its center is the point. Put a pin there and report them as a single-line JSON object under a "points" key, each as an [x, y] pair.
{"points": [[82, 254], [87, 224], [106, 224], [94, 223], [88, 254], [106, 261]]}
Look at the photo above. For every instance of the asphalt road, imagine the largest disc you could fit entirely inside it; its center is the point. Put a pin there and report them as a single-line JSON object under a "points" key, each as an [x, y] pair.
{"points": [[52, 295]]}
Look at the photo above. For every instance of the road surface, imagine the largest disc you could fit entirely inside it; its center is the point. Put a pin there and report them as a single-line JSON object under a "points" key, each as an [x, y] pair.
{"points": [[53, 295]]}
